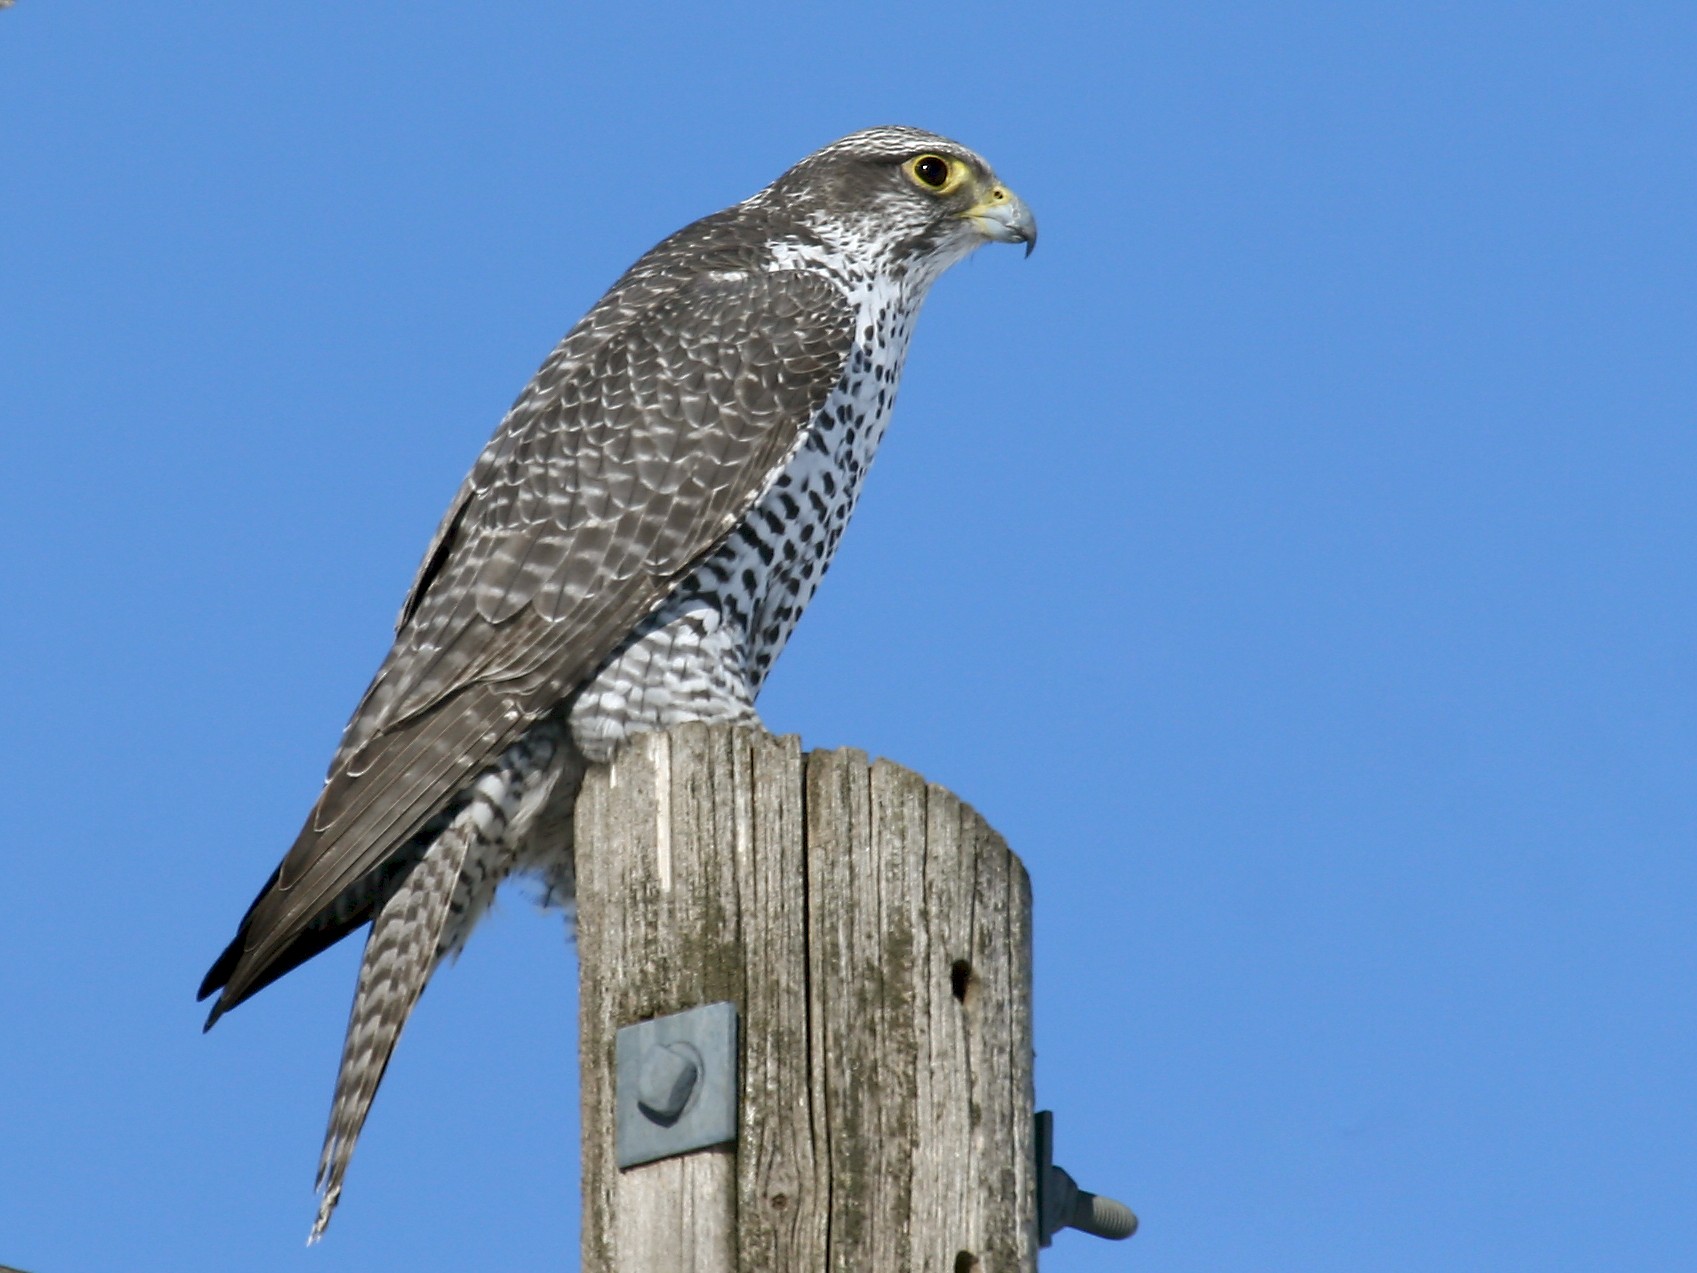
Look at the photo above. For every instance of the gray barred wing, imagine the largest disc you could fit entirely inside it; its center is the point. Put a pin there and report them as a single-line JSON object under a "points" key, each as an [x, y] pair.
{"points": [[642, 443]]}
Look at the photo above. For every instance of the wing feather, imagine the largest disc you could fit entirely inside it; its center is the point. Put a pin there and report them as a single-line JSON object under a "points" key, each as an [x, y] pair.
{"points": [[645, 438]]}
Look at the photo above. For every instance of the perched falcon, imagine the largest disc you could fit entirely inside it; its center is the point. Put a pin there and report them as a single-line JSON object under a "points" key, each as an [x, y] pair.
{"points": [[630, 552]]}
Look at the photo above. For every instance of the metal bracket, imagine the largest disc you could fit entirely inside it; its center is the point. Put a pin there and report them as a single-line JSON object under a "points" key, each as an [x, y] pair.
{"points": [[676, 1084], [1061, 1204]]}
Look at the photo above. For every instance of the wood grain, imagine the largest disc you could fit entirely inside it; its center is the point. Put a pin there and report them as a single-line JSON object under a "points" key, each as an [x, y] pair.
{"points": [[874, 933]]}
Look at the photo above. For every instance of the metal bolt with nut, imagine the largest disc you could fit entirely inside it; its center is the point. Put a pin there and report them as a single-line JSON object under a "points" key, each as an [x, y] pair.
{"points": [[1061, 1204]]}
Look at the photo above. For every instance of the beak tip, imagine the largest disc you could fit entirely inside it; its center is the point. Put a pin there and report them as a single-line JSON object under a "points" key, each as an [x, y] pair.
{"points": [[1003, 218]]}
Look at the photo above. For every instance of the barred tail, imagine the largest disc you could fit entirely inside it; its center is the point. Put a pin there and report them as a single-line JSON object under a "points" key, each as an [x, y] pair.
{"points": [[401, 953]]}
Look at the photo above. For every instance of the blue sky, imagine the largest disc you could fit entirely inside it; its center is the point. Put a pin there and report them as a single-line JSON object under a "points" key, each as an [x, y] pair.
{"points": [[1293, 558]]}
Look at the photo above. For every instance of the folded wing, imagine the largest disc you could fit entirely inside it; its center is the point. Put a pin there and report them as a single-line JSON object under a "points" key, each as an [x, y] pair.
{"points": [[641, 444]]}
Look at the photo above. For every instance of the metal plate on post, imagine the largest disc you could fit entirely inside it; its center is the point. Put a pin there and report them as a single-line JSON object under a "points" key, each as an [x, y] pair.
{"points": [[676, 1084]]}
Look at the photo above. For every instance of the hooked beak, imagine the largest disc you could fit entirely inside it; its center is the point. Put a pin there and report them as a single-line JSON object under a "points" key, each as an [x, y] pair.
{"points": [[1002, 215]]}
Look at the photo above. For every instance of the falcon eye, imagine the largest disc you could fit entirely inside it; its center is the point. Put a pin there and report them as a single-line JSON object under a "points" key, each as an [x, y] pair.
{"points": [[930, 170]]}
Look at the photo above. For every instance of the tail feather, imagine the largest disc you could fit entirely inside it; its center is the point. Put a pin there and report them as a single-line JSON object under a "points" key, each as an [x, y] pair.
{"points": [[402, 951]]}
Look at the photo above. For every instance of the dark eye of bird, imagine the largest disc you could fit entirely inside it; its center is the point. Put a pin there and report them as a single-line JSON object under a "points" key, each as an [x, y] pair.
{"points": [[932, 170]]}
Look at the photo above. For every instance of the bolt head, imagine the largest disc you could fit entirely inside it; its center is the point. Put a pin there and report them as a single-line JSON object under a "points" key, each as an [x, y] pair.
{"points": [[666, 1081]]}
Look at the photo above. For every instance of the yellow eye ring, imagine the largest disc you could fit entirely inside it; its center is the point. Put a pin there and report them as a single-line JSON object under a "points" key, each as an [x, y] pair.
{"points": [[932, 171]]}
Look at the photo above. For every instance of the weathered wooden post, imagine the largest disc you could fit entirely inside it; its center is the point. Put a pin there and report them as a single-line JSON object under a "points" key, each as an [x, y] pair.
{"points": [[874, 935]]}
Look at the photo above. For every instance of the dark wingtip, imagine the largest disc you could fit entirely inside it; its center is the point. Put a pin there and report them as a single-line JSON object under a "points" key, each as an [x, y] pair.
{"points": [[218, 978]]}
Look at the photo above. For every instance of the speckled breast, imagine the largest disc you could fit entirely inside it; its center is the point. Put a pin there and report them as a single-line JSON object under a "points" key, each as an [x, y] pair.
{"points": [[705, 654]]}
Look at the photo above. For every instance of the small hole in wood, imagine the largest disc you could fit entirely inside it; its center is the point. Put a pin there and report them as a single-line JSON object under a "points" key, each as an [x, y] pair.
{"points": [[965, 1262], [961, 979], [780, 1201]]}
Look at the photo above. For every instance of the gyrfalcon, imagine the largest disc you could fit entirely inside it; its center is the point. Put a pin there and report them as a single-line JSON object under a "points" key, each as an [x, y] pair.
{"points": [[630, 552]]}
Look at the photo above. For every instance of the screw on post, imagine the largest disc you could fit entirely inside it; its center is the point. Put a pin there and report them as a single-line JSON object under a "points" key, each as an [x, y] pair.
{"points": [[1061, 1204]]}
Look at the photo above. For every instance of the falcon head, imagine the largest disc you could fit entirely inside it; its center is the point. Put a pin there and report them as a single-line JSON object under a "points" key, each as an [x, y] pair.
{"points": [[906, 198]]}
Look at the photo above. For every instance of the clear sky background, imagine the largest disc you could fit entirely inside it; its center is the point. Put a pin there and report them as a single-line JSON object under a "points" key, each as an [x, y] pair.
{"points": [[1294, 559]]}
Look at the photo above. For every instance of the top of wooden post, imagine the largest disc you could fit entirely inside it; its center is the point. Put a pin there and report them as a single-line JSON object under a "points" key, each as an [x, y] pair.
{"points": [[874, 934]]}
